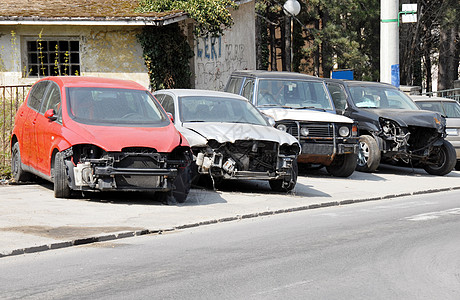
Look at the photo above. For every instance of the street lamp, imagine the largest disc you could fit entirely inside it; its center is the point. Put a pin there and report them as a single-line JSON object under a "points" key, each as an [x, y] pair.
{"points": [[291, 9]]}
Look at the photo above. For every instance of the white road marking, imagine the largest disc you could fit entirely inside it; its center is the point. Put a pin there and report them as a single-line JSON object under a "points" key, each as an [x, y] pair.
{"points": [[434, 215]]}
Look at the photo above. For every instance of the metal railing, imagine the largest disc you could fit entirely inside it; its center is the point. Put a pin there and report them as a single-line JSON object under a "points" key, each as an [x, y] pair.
{"points": [[451, 93], [11, 98]]}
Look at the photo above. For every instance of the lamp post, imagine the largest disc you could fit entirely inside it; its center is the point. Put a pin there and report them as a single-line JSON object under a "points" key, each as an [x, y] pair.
{"points": [[291, 9]]}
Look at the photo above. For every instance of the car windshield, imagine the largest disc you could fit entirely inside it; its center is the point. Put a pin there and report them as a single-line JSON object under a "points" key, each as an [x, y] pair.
{"points": [[381, 97], [116, 107], [448, 109], [218, 109], [293, 94]]}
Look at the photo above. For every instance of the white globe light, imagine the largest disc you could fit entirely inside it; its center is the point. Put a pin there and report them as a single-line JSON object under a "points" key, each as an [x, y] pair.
{"points": [[291, 7]]}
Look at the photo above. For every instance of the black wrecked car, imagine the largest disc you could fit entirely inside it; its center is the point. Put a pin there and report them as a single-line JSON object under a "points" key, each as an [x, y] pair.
{"points": [[392, 127]]}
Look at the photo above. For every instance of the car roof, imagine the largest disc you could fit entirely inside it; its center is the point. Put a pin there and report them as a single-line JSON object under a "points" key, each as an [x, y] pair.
{"points": [[198, 92], [274, 74], [88, 81], [423, 98], [368, 83]]}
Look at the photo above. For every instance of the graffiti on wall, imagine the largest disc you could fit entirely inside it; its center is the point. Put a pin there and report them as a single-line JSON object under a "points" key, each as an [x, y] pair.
{"points": [[216, 60]]}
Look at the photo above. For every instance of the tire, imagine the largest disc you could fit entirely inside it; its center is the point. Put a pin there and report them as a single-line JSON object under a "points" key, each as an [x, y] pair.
{"points": [[277, 185], [369, 154], [343, 165], [182, 184], [445, 158], [457, 166], [17, 171], [60, 178]]}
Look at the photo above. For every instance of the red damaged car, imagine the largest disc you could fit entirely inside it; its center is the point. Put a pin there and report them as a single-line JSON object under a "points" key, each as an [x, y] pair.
{"points": [[96, 134]]}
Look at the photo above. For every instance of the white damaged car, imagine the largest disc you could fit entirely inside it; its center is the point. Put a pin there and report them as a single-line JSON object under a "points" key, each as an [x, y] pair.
{"points": [[231, 139]]}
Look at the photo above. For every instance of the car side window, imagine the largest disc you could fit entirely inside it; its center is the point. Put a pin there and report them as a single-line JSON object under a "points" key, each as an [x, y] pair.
{"points": [[339, 96], [248, 89], [168, 105], [52, 100], [36, 95], [234, 85]]}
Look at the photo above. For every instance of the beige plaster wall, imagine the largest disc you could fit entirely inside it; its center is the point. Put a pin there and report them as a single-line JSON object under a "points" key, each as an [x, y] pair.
{"points": [[104, 51]]}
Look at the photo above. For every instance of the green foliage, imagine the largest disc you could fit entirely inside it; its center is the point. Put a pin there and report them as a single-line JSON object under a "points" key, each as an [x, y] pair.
{"points": [[328, 33], [166, 54], [212, 16]]}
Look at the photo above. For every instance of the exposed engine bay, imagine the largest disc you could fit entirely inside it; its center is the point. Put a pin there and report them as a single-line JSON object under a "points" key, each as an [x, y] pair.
{"points": [[406, 143], [133, 169], [246, 159]]}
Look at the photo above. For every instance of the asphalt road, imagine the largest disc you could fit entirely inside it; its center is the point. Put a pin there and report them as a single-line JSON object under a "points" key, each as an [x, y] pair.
{"points": [[403, 248]]}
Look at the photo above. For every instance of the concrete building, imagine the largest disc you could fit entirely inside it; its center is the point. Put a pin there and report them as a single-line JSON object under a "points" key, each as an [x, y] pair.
{"points": [[98, 38]]}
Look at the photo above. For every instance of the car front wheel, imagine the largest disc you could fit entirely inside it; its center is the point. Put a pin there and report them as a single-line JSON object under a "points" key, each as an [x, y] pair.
{"points": [[182, 184], [343, 165], [281, 185], [61, 183], [444, 158], [369, 154]]}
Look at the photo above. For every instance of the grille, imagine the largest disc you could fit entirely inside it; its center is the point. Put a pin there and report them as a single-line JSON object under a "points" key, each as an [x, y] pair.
{"points": [[316, 130]]}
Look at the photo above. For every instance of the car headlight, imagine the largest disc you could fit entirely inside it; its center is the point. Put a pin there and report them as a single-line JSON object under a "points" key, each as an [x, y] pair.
{"points": [[282, 127], [344, 131], [452, 131], [304, 131]]}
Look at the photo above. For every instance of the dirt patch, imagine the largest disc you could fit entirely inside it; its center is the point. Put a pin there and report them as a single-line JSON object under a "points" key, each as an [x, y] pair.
{"points": [[67, 232]]}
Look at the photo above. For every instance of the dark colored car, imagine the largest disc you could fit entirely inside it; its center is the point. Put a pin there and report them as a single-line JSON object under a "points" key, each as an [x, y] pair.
{"points": [[95, 134], [302, 106], [392, 127], [449, 108]]}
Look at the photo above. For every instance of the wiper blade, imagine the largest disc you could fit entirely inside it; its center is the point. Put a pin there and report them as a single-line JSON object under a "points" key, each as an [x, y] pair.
{"points": [[311, 107], [268, 105]]}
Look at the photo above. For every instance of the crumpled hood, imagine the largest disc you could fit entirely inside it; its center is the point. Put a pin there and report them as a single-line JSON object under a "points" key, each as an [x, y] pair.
{"points": [[197, 134], [304, 115], [112, 138], [422, 118]]}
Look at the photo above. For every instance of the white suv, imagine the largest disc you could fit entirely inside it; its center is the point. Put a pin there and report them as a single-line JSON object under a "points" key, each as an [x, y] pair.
{"points": [[302, 106]]}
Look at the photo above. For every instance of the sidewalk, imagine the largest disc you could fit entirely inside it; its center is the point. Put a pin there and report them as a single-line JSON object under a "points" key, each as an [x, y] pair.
{"points": [[33, 220]]}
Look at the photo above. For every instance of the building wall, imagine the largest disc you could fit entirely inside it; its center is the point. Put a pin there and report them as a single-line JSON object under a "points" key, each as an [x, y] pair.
{"points": [[216, 58], [113, 51], [104, 51]]}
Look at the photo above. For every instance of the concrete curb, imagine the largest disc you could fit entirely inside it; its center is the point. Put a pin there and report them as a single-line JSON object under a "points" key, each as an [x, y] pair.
{"points": [[128, 234]]}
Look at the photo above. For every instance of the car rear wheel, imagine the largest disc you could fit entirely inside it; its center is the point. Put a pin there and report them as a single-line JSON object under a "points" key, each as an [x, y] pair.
{"points": [[369, 154], [61, 183], [343, 165], [445, 159], [17, 170], [280, 185]]}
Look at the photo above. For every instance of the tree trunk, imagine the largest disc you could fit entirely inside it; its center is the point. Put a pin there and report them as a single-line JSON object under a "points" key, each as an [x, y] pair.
{"points": [[447, 53]]}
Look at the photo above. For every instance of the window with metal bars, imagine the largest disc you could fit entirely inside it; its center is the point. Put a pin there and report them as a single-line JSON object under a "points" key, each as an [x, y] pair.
{"points": [[53, 57]]}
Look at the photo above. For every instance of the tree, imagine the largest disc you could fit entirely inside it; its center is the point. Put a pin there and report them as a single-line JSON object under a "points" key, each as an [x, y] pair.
{"points": [[432, 41], [326, 33]]}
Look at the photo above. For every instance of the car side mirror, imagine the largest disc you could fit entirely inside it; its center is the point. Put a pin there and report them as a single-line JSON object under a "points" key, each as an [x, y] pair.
{"points": [[170, 116], [50, 114]]}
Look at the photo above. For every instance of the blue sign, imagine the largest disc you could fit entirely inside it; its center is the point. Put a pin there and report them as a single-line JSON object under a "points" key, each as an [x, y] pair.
{"points": [[342, 74], [395, 75]]}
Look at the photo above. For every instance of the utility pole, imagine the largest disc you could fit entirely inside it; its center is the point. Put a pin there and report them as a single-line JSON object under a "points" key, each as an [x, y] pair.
{"points": [[389, 42]]}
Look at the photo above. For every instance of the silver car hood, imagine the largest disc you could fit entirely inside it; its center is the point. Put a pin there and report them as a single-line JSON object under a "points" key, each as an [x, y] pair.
{"points": [[197, 134]]}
